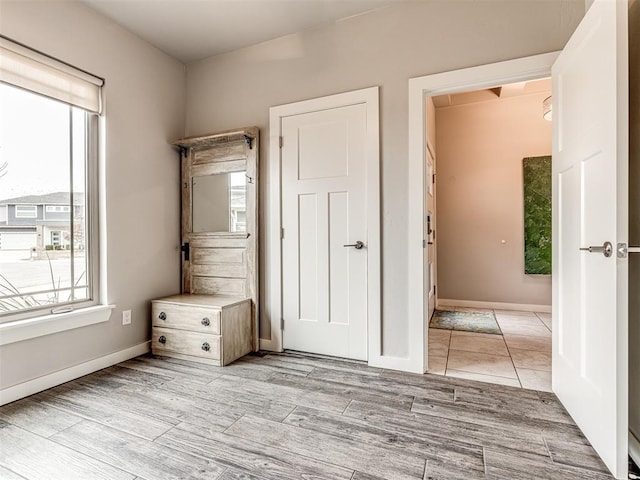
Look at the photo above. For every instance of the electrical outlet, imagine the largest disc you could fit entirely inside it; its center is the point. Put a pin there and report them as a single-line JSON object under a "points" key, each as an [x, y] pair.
{"points": [[126, 317]]}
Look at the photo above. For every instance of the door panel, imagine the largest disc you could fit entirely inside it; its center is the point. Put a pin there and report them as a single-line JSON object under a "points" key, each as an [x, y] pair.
{"points": [[324, 209], [590, 165], [338, 258]]}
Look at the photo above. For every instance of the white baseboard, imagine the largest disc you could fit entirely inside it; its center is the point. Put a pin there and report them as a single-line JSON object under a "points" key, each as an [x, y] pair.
{"points": [[401, 364], [21, 390], [634, 448], [444, 302]]}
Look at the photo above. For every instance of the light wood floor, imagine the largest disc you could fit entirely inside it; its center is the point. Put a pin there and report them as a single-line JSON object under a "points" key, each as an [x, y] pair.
{"points": [[288, 417]]}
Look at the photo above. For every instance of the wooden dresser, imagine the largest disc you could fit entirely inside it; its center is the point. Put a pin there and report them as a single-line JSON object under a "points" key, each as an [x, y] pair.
{"points": [[209, 329]]}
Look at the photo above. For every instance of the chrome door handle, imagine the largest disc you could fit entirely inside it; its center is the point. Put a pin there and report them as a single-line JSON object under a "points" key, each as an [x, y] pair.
{"points": [[606, 249], [358, 245]]}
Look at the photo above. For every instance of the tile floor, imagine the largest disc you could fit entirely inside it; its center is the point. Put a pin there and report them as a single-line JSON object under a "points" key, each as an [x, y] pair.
{"points": [[520, 357]]}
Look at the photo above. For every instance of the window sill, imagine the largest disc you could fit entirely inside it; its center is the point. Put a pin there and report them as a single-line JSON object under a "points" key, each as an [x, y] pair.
{"points": [[12, 332]]}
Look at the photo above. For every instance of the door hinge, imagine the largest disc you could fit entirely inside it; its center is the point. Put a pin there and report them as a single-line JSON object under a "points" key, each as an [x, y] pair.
{"points": [[282, 324], [281, 140], [424, 243], [185, 249], [434, 290], [282, 234]]}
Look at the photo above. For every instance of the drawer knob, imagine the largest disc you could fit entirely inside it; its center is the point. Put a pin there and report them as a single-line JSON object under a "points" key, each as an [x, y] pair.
{"points": [[206, 347], [162, 316], [205, 321], [162, 339]]}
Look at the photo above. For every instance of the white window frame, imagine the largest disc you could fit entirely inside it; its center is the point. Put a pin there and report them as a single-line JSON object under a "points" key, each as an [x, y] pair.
{"points": [[28, 324], [28, 211]]}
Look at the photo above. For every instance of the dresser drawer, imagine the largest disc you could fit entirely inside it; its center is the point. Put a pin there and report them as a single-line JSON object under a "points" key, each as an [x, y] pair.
{"points": [[185, 317], [169, 340]]}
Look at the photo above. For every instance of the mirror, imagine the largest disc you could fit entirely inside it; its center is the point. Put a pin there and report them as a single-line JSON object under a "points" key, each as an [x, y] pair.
{"points": [[219, 203]]}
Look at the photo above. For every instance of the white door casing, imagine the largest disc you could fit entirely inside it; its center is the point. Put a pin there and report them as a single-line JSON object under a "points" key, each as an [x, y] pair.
{"points": [[429, 234], [324, 282], [317, 115], [590, 207], [474, 78]]}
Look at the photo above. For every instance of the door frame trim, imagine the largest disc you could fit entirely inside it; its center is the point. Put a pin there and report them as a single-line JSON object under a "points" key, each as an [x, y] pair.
{"points": [[484, 76], [273, 224]]}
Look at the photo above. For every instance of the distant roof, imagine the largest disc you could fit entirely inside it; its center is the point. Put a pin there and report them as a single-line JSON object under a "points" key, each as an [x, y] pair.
{"points": [[55, 198]]}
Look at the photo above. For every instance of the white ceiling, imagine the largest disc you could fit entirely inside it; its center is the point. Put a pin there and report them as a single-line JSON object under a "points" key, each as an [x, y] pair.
{"points": [[191, 30], [496, 93]]}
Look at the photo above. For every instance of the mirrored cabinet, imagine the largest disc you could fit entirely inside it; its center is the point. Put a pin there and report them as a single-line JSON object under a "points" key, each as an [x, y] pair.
{"points": [[215, 318]]}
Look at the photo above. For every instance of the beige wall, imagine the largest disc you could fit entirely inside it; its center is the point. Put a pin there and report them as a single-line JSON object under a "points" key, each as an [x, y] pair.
{"points": [[480, 199], [383, 48], [634, 204], [144, 109]]}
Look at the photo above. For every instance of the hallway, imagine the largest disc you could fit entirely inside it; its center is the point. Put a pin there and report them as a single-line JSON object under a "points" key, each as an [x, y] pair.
{"points": [[520, 357]]}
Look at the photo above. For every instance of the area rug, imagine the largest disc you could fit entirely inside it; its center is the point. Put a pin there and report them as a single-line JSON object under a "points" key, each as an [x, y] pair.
{"points": [[479, 322]]}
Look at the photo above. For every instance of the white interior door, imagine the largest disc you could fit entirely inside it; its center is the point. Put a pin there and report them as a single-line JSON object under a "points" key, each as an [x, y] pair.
{"points": [[590, 170], [324, 209]]}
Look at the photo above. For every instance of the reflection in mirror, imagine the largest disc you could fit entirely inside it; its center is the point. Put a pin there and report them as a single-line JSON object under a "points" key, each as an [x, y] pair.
{"points": [[219, 203]]}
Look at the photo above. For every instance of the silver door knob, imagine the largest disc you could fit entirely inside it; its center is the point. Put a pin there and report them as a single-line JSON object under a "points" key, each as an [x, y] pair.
{"points": [[606, 249], [358, 245]]}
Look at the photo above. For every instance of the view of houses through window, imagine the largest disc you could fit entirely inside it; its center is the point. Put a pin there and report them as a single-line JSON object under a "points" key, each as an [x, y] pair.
{"points": [[43, 222]]}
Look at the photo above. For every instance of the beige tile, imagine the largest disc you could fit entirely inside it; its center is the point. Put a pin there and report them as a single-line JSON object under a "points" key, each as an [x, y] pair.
{"points": [[518, 319], [545, 318], [479, 342], [512, 382], [437, 365], [482, 363], [535, 379], [531, 360], [527, 342], [519, 313], [513, 325], [439, 342]]}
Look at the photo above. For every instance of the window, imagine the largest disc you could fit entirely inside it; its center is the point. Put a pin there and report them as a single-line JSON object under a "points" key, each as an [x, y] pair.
{"points": [[26, 211], [58, 209], [55, 238], [48, 144]]}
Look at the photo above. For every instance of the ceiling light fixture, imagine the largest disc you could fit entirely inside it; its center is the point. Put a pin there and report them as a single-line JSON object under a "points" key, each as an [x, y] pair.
{"points": [[547, 109]]}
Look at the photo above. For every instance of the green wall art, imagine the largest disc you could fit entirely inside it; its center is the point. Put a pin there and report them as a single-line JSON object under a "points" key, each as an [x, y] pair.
{"points": [[536, 173]]}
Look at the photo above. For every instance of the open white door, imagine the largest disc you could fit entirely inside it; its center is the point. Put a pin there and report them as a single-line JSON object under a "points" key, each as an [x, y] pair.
{"points": [[590, 209]]}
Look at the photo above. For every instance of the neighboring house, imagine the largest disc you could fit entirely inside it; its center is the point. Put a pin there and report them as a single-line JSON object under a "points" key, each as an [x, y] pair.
{"points": [[39, 221]]}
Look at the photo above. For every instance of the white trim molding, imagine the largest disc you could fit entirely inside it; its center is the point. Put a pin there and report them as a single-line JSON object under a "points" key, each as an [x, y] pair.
{"points": [[369, 98], [19, 330], [21, 390], [485, 76], [523, 307]]}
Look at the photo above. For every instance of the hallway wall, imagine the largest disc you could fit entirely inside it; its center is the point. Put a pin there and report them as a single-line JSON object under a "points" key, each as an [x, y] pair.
{"points": [[480, 226]]}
